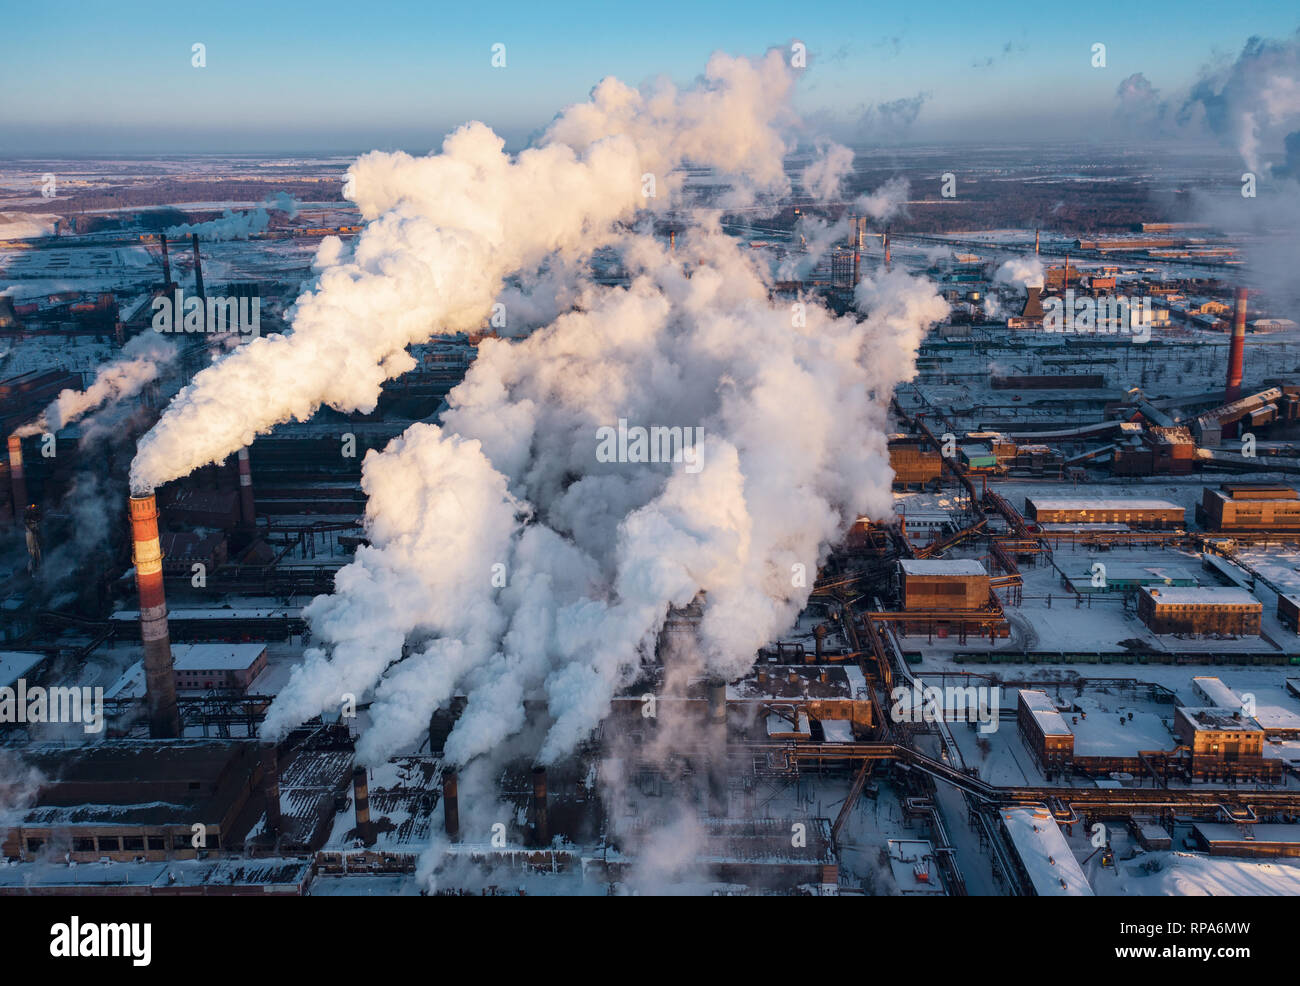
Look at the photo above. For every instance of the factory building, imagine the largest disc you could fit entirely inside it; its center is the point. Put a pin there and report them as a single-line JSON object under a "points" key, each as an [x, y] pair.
{"points": [[1251, 507], [142, 798], [1207, 609], [1258, 841], [932, 585], [1217, 733], [1044, 728], [1135, 512], [182, 551], [200, 667], [1045, 860], [914, 464], [1288, 611], [1278, 723], [1157, 450]]}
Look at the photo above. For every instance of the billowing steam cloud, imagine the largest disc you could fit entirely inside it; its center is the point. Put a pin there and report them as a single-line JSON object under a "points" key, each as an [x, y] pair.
{"points": [[19, 786], [239, 225], [594, 553], [1254, 103], [824, 177], [507, 560], [445, 230], [1138, 104], [886, 201], [231, 226], [1023, 272], [143, 359]]}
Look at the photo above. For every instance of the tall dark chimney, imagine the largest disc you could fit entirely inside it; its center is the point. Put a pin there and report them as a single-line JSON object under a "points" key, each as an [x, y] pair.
{"points": [[247, 507], [450, 805], [1237, 349], [167, 264], [160, 679], [198, 266], [541, 824], [361, 801], [271, 786]]}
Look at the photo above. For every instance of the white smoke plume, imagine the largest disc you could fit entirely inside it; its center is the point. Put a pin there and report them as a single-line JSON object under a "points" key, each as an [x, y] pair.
{"points": [[824, 177], [596, 552], [815, 237], [284, 202], [231, 226], [444, 231], [239, 225], [143, 358], [19, 785], [1253, 103], [507, 560], [885, 202], [1023, 272]]}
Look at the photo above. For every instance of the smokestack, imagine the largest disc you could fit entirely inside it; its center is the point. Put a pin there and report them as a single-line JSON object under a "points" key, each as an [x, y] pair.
{"points": [[361, 801], [271, 785], [1236, 352], [247, 508], [717, 702], [672, 240], [855, 241], [160, 681], [167, 264], [887, 254], [17, 481], [450, 805], [541, 825], [1035, 243], [198, 267]]}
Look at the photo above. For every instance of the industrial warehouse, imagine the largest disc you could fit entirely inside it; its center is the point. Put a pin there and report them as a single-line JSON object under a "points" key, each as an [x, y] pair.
{"points": [[323, 576]]}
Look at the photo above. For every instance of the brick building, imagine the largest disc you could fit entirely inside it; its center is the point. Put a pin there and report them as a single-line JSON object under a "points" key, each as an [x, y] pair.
{"points": [[1251, 507], [1135, 511], [931, 585], [1204, 609], [1044, 728]]}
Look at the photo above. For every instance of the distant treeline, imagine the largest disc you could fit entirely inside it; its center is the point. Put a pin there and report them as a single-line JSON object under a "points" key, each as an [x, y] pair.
{"points": [[170, 191]]}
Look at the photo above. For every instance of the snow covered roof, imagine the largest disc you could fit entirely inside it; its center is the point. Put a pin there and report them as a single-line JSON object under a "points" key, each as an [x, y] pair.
{"points": [[1219, 720], [1044, 711], [1102, 503], [1046, 855], [1276, 717], [939, 566], [1216, 692], [1178, 595], [215, 657], [14, 664]]}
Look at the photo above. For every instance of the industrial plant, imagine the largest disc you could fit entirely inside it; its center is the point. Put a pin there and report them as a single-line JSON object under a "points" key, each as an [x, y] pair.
{"points": [[662, 506]]}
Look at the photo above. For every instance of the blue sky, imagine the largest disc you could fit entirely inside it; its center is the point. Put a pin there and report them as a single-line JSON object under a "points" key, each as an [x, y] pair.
{"points": [[117, 77]]}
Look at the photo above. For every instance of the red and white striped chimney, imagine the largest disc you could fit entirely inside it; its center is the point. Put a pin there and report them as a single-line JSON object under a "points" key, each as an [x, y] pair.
{"points": [[1237, 350], [17, 481], [160, 679]]}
